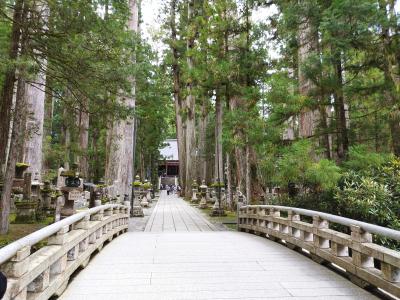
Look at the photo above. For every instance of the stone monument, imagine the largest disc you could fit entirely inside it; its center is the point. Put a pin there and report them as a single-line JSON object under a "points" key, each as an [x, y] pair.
{"points": [[203, 193], [136, 208]]}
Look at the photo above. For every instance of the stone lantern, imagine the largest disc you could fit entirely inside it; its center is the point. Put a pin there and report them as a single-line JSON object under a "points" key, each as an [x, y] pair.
{"points": [[145, 192], [218, 209], [203, 193], [72, 192], [36, 197], [136, 208], [194, 192], [26, 208]]}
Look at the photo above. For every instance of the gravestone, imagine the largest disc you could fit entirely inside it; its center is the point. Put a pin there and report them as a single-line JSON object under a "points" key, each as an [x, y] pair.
{"points": [[26, 208]]}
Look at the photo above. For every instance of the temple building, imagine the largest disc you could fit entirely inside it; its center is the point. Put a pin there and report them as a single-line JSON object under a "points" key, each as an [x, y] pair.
{"points": [[168, 164]]}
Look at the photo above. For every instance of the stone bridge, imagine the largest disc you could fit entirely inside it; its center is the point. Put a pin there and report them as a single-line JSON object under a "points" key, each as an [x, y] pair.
{"points": [[292, 254]]}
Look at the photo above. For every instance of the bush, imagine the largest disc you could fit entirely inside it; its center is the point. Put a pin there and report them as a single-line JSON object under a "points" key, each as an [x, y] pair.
{"points": [[294, 163], [363, 198], [324, 175], [362, 159]]}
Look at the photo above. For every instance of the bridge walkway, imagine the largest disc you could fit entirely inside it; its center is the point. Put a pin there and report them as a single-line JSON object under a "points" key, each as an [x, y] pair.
{"points": [[171, 261]]}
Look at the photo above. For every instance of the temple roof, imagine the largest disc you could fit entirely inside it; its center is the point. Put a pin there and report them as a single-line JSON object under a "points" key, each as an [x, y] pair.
{"points": [[170, 150]]}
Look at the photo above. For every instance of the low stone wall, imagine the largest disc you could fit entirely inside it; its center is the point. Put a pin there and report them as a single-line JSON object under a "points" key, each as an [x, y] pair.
{"points": [[366, 263], [69, 246]]}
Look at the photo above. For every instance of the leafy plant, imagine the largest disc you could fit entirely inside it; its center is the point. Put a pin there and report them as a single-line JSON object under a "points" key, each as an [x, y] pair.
{"points": [[324, 174]]}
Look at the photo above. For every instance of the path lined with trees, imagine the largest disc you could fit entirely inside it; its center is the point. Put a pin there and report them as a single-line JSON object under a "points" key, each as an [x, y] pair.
{"points": [[289, 102]]}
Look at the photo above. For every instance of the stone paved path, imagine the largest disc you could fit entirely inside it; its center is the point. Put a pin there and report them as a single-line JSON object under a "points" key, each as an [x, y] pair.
{"points": [[169, 261], [174, 214]]}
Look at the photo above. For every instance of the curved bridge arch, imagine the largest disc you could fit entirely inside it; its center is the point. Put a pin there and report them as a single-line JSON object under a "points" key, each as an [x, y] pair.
{"points": [[70, 244], [352, 251]]}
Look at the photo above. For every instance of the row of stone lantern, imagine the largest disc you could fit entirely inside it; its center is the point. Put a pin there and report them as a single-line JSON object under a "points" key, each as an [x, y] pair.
{"points": [[34, 200], [143, 196], [214, 196], [204, 195]]}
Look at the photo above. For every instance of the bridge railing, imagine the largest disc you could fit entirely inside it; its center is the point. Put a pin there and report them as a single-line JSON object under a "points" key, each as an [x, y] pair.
{"points": [[366, 263], [69, 245]]}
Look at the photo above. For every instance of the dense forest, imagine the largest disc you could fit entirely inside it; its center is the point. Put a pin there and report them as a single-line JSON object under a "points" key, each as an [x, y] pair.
{"points": [[290, 102]]}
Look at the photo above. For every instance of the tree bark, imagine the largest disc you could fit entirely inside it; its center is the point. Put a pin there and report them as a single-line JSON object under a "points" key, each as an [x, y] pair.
{"points": [[391, 70], [8, 85], [229, 181], [202, 151], [240, 160], [219, 163], [176, 74], [340, 109], [120, 163], [66, 138], [248, 174], [83, 125], [16, 144], [189, 107], [308, 44]]}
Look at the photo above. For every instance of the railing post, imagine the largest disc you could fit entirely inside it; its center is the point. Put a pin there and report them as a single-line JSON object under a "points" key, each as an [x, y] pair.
{"points": [[83, 224], [274, 214], [293, 217], [318, 223], [108, 212], [40, 283], [390, 272], [13, 270], [60, 238], [97, 216], [359, 236]]}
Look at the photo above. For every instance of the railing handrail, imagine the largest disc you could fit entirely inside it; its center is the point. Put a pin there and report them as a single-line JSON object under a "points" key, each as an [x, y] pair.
{"points": [[371, 228], [9, 251]]}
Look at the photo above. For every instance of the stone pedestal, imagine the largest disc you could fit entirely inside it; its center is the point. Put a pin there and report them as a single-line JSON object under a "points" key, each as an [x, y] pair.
{"points": [[26, 208], [194, 196], [203, 191], [69, 205], [148, 196], [26, 211], [217, 211], [144, 202], [136, 209]]}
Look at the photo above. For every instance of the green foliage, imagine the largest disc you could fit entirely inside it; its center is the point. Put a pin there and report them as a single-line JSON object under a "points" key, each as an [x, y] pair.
{"points": [[364, 198], [324, 174], [146, 185], [137, 184], [360, 158], [21, 165], [294, 163]]}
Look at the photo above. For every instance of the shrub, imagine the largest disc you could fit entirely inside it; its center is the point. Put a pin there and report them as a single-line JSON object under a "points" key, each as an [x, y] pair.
{"points": [[324, 175], [362, 159]]}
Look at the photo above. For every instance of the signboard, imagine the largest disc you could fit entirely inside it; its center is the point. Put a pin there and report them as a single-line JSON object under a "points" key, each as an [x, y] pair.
{"points": [[74, 195], [87, 195]]}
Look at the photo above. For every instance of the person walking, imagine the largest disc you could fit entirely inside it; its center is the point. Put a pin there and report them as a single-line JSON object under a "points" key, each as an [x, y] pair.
{"points": [[168, 189]]}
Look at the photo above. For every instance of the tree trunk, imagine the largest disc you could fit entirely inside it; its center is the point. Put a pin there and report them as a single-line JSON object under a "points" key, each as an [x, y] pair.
{"points": [[66, 136], [190, 107], [120, 164], [391, 70], [16, 144], [229, 181], [176, 73], [219, 163], [83, 125], [33, 153], [202, 151], [240, 159], [340, 108], [308, 44], [248, 174], [8, 85]]}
